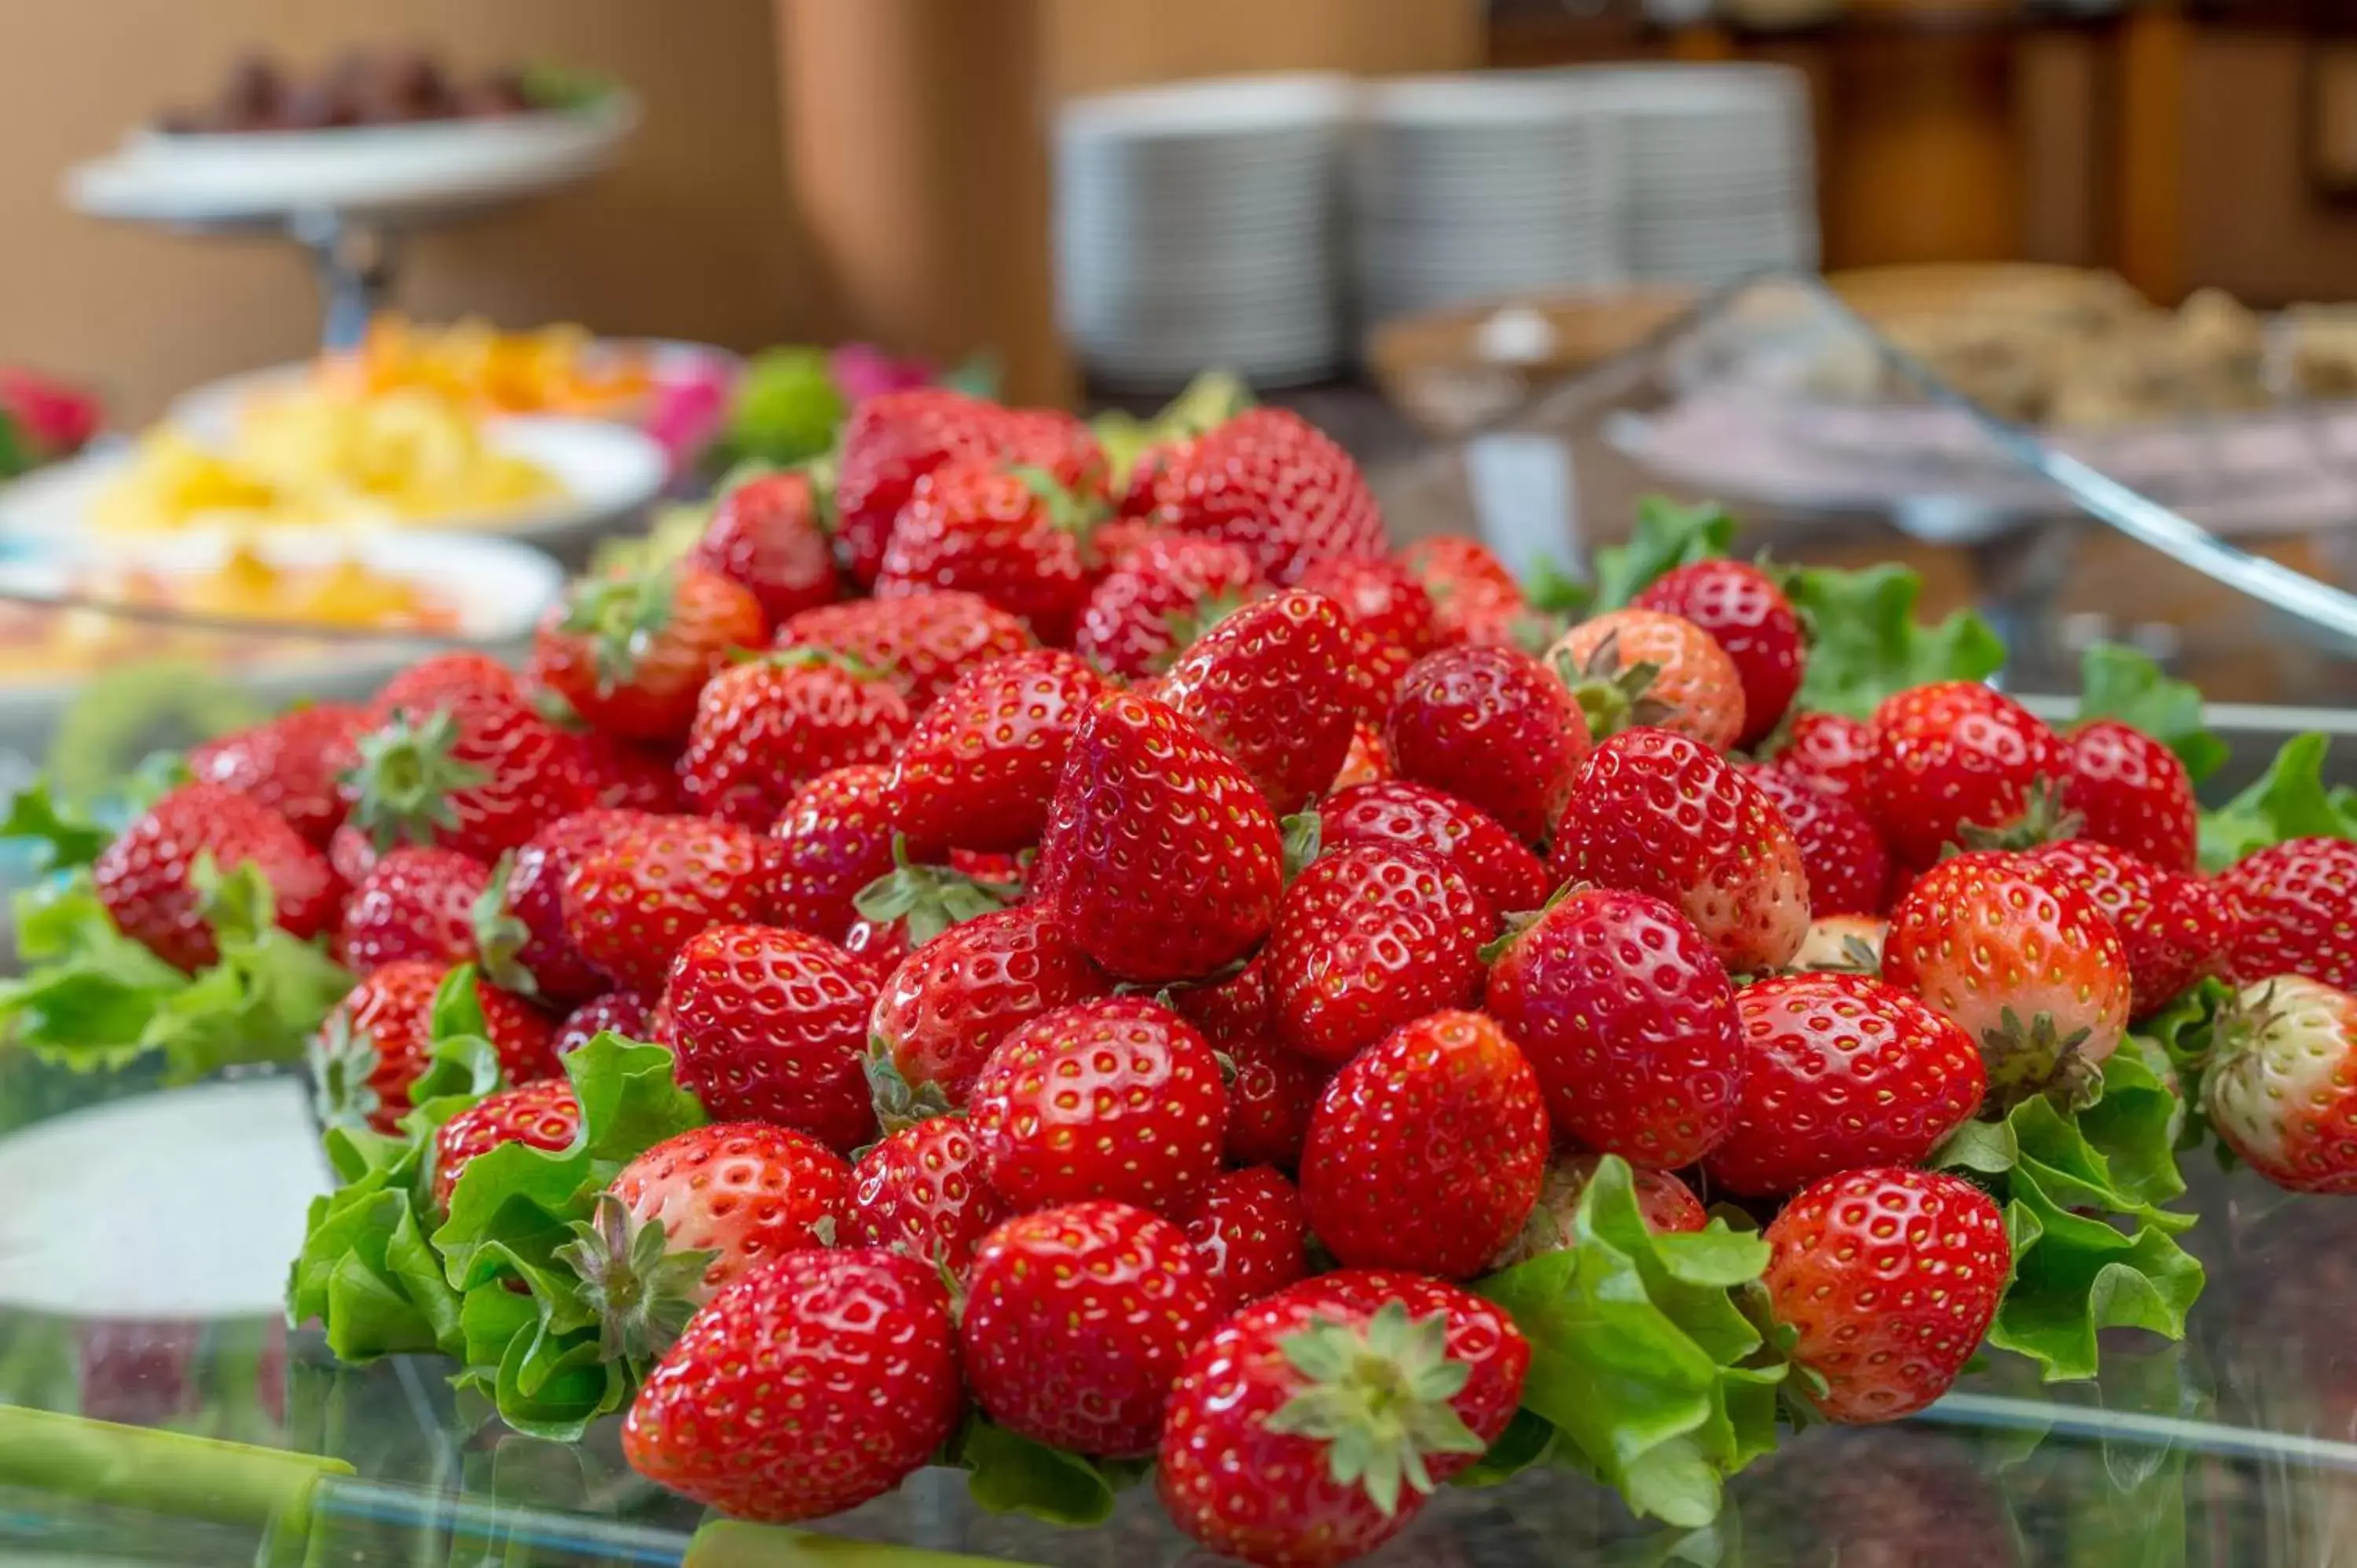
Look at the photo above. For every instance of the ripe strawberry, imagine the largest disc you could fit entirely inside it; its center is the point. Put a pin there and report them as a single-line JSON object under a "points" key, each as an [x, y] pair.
{"points": [[947, 1005], [1118, 1099], [1491, 726], [445, 679], [924, 640], [633, 900], [730, 1196], [519, 920], [1953, 755], [1248, 1229], [1368, 939], [769, 536], [2011, 949], [625, 1015], [1427, 1150], [977, 770], [541, 1115], [290, 765], [2280, 1086], [1640, 667], [2295, 902], [761, 1412], [623, 776], [1271, 481], [834, 838], [1270, 1101], [1161, 859], [1266, 686], [377, 1040], [630, 653], [1666, 1205], [1661, 814], [890, 442], [922, 1191], [1890, 1278], [1499, 866], [1373, 673], [1626, 1014], [1008, 535], [1310, 1427], [1159, 597], [1076, 1321], [479, 772], [770, 1026], [153, 877], [1753, 623], [1366, 762], [1841, 1072], [1236, 1006], [1833, 753], [2130, 790], [765, 728], [414, 903], [1474, 598], [1382, 599], [1847, 864], [2168, 944]]}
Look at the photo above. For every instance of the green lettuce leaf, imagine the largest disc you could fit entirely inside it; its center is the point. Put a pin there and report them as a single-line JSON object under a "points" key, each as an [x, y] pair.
{"points": [[69, 839], [1640, 1360], [1008, 1472], [2121, 684], [1667, 536], [2175, 1043], [1864, 642], [2289, 800]]}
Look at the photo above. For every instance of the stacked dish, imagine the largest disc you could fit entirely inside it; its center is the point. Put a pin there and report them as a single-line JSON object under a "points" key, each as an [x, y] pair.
{"points": [[1196, 225]]}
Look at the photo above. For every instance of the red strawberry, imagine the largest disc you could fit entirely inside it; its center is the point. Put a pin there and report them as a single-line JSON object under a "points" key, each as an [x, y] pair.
{"points": [[1626, 1014], [2168, 943], [623, 776], [1248, 1231], [1373, 672], [1118, 1099], [378, 1040], [1841, 1072], [1847, 864], [351, 854], [1236, 1006], [1427, 1150], [738, 1193], [414, 903], [2281, 1084], [1474, 598], [1368, 939], [1310, 1427], [834, 838], [757, 1414], [518, 922], [1270, 1101], [1366, 762], [477, 772], [1076, 1322], [769, 536], [632, 901], [1160, 597], [541, 1115], [890, 442], [1266, 686], [291, 764], [1953, 755], [630, 653], [977, 770], [924, 640], [1640, 667], [1382, 599], [1660, 813], [922, 1191], [2130, 790], [1499, 866], [1750, 620], [1836, 753], [2295, 900], [445, 677], [765, 728], [947, 1005], [1162, 860], [152, 877], [1008, 534], [1890, 1278], [1491, 726], [1271, 481], [770, 1026], [1666, 1204], [2011, 949], [625, 1015]]}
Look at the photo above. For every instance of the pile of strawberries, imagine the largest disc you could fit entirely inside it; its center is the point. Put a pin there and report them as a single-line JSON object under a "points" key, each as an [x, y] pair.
{"points": [[1150, 955]]}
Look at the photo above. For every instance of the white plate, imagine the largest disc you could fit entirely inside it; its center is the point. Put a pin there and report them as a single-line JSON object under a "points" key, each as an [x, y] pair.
{"points": [[1239, 107]]}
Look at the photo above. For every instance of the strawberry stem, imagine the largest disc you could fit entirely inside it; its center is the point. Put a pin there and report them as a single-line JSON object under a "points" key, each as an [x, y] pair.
{"points": [[500, 935], [641, 1292], [1378, 1394], [622, 617], [406, 775]]}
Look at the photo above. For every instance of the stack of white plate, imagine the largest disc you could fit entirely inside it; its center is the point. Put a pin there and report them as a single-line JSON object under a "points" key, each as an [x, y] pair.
{"points": [[1721, 174], [1196, 225], [1465, 186]]}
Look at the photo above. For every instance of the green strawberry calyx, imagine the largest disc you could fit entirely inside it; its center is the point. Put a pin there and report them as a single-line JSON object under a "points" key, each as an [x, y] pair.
{"points": [[899, 1104], [1303, 837], [342, 1063], [2043, 819], [929, 900], [500, 937], [2033, 1058], [641, 1292], [1378, 1395], [1613, 697], [407, 773], [621, 616]]}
